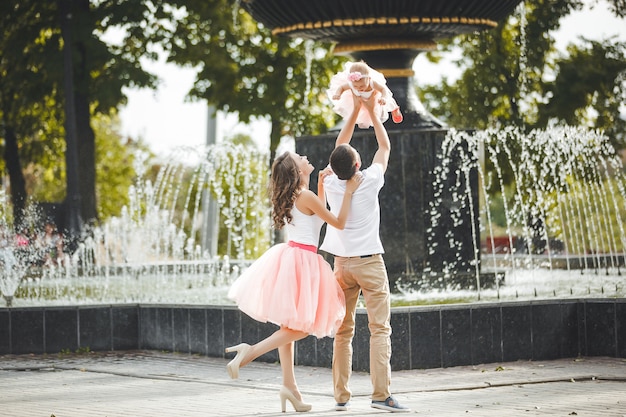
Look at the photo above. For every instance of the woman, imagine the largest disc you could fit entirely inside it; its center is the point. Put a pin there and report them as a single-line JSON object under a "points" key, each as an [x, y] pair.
{"points": [[291, 285]]}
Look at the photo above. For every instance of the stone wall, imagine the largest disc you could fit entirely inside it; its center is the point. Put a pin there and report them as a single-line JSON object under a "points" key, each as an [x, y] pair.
{"points": [[423, 337]]}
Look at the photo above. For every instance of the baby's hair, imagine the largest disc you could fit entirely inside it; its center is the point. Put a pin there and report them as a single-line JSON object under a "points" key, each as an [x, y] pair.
{"points": [[285, 184], [361, 67]]}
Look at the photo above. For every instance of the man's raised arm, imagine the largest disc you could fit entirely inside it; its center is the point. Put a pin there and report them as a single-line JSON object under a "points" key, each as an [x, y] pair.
{"points": [[345, 135], [384, 145]]}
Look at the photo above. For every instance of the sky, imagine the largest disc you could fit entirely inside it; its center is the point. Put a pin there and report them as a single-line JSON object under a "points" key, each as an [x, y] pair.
{"points": [[165, 119]]}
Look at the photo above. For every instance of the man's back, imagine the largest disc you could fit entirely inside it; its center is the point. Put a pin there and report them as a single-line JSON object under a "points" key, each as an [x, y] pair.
{"points": [[361, 234]]}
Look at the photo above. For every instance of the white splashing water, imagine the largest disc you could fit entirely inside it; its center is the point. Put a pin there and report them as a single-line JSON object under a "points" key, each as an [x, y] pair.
{"points": [[562, 197]]}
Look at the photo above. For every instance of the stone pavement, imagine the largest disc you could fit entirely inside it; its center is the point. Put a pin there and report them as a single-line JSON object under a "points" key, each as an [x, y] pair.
{"points": [[154, 384]]}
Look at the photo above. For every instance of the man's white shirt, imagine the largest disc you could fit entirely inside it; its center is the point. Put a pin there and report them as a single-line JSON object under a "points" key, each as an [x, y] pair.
{"points": [[361, 233]]}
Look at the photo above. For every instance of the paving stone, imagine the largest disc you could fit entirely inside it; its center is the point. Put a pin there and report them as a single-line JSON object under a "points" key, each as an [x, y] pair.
{"points": [[148, 383]]}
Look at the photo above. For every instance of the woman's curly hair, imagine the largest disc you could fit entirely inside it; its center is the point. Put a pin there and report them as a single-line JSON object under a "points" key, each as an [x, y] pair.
{"points": [[285, 185]]}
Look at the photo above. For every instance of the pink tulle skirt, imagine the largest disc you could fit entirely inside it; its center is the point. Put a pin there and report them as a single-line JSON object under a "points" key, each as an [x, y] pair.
{"points": [[292, 287]]}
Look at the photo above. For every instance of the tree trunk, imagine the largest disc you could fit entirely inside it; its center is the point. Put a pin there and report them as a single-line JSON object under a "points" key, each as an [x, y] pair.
{"points": [[72, 219], [86, 161], [85, 135], [16, 176]]}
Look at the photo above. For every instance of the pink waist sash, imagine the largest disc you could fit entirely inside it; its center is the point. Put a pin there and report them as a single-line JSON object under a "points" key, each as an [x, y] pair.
{"points": [[311, 248]]}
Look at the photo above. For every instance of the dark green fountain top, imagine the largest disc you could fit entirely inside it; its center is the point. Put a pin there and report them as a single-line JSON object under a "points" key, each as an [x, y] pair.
{"points": [[353, 21]]}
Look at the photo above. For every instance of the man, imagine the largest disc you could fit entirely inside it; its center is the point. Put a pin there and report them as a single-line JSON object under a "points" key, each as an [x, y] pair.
{"points": [[359, 265]]}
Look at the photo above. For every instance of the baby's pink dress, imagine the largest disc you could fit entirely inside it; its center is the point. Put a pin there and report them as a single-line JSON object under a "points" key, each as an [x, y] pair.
{"points": [[344, 105], [292, 285]]}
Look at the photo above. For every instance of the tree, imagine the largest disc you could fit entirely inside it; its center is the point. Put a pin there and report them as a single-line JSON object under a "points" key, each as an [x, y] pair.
{"points": [[31, 74], [508, 71], [500, 66], [589, 88], [243, 68], [116, 165], [101, 71], [25, 85]]}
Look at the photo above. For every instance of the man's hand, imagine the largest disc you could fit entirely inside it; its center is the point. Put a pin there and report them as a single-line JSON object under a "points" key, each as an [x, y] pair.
{"points": [[370, 102], [353, 183]]}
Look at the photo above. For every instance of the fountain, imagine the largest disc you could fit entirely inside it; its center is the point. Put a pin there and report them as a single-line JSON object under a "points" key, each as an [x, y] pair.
{"points": [[151, 253], [143, 281], [9, 265], [432, 223]]}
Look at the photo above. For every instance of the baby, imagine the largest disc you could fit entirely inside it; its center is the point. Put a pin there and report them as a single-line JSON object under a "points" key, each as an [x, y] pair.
{"points": [[362, 81]]}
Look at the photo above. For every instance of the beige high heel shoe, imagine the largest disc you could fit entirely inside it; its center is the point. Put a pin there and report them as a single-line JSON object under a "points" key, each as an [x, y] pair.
{"points": [[233, 366], [298, 405]]}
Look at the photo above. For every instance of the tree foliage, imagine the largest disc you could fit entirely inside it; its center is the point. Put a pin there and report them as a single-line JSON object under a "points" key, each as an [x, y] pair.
{"points": [[590, 88], [513, 75], [242, 68], [31, 84], [119, 162], [25, 85]]}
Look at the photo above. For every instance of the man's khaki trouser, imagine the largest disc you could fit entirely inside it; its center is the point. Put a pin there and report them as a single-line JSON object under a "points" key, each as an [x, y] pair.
{"points": [[367, 275]]}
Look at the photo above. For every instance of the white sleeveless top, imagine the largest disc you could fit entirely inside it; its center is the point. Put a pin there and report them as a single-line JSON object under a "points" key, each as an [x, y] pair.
{"points": [[304, 228]]}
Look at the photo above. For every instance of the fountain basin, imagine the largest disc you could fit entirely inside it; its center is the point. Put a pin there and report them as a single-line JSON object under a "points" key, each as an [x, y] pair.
{"points": [[197, 283], [423, 337]]}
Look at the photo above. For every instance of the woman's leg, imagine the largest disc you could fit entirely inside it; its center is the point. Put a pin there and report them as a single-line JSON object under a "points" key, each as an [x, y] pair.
{"points": [[285, 353], [280, 337], [289, 391]]}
